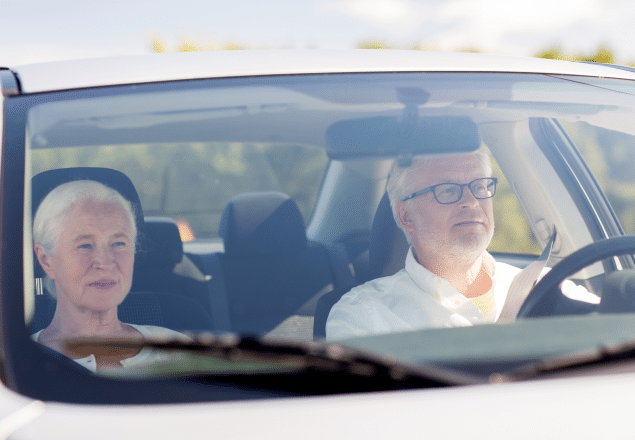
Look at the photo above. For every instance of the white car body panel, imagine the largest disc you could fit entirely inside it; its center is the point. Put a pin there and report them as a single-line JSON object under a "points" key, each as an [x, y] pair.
{"points": [[579, 408], [62, 75]]}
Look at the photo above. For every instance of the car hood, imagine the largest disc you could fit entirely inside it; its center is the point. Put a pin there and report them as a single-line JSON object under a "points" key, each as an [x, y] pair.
{"points": [[507, 410]]}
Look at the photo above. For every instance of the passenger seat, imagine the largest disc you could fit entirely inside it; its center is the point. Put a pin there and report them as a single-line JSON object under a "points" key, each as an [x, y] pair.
{"points": [[386, 256], [164, 267], [140, 307], [273, 275]]}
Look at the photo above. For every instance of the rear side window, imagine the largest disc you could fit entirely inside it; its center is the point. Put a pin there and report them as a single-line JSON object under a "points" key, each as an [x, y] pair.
{"points": [[192, 182], [609, 155]]}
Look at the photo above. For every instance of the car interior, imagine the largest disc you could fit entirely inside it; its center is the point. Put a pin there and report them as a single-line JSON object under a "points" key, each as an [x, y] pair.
{"points": [[271, 278], [275, 273], [269, 270], [151, 306]]}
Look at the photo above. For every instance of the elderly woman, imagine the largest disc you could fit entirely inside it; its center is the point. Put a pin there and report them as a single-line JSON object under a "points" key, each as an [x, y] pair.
{"points": [[85, 234]]}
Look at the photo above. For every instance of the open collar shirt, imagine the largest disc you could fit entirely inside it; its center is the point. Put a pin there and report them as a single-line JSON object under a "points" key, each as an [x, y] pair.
{"points": [[413, 298], [147, 356]]}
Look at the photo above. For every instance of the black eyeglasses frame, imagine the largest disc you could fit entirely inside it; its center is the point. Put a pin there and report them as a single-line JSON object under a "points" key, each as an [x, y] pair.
{"points": [[460, 185]]}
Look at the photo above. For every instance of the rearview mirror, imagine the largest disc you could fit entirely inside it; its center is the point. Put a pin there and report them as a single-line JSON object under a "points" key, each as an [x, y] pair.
{"points": [[389, 136]]}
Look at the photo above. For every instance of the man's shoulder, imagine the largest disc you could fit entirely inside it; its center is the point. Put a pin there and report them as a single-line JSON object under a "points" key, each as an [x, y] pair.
{"points": [[505, 269], [374, 289], [366, 309]]}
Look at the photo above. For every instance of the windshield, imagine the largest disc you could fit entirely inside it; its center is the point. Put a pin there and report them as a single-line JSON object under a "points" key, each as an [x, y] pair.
{"points": [[405, 215]]}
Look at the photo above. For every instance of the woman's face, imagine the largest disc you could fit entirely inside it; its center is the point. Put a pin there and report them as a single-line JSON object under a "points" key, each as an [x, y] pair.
{"points": [[93, 257]]}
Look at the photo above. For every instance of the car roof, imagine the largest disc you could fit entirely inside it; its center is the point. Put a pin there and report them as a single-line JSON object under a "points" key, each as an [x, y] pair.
{"points": [[74, 74]]}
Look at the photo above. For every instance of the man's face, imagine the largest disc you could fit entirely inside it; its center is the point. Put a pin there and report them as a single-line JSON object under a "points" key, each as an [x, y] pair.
{"points": [[460, 230]]}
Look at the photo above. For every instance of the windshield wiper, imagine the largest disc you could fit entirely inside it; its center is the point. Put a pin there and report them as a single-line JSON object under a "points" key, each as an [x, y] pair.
{"points": [[315, 367], [570, 362]]}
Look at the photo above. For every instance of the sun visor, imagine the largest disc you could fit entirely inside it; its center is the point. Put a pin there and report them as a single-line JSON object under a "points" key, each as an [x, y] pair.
{"points": [[387, 136]]}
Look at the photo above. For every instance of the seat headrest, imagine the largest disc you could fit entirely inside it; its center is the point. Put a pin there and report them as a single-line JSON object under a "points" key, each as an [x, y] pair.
{"points": [[388, 245], [44, 182], [165, 248], [262, 223]]}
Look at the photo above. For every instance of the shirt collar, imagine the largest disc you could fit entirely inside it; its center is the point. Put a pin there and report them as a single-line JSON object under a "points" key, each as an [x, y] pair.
{"points": [[426, 280], [439, 288]]}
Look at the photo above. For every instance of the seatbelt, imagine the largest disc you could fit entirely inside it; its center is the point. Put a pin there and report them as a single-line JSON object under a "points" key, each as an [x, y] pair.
{"points": [[522, 284], [340, 265]]}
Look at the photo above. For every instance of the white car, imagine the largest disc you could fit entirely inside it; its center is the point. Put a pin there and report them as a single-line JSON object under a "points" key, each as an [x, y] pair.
{"points": [[257, 180]]}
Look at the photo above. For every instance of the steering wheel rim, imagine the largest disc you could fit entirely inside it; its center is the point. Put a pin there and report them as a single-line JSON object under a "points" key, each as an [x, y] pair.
{"points": [[545, 290]]}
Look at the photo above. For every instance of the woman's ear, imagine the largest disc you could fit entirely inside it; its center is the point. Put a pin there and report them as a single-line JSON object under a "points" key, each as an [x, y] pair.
{"points": [[44, 260]]}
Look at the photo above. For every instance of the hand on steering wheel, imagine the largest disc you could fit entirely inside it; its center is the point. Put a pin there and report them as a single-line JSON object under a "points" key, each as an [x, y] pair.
{"points": [[548, 288]]}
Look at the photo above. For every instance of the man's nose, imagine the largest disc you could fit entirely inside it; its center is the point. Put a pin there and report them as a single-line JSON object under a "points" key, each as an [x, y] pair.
{"points": [[467, 199]]}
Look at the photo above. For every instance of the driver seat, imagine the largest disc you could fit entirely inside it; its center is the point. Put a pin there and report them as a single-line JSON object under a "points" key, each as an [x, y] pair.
{"points": [[387, 252]]}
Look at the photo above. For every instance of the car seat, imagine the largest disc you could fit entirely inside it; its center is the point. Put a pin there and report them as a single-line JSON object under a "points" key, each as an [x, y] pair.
{"points": [[387, 252], [271, 271], [149, 308], [166, 268]]}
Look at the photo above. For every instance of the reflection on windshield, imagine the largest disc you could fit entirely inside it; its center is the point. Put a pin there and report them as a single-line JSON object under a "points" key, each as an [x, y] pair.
{"points": [[308, 207]]}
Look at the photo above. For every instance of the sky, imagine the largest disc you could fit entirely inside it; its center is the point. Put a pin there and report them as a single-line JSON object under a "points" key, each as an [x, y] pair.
{"points": [[49, 30]]}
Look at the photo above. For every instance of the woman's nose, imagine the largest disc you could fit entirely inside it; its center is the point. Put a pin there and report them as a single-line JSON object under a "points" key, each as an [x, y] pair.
{"points": [[103, 257]]}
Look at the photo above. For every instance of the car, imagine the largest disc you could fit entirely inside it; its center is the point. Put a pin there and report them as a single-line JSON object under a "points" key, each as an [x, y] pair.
{"points": [[257, 183]]}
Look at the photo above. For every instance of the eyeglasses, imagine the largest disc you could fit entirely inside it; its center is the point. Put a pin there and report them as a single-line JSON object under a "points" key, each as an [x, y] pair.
{"points": [[447, 193]]}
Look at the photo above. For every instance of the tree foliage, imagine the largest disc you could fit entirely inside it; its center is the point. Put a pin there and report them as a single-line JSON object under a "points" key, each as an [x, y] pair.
{"points": [[609, 155], [512, 232], [374, 44], [194, 181], [603, 54], [158, 45]]}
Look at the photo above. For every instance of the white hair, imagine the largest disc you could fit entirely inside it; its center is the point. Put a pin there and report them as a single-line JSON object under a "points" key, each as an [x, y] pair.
{"points": [[58, 204], [401, 180]]}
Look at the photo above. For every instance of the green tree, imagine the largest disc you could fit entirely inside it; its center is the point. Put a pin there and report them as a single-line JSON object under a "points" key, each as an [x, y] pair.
{"points": [[158, 45], [373, 44], [603, 54]]}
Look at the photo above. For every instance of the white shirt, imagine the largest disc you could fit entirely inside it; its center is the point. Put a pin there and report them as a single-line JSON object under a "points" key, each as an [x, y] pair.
{"points": [[146, 356], [415, 298]]}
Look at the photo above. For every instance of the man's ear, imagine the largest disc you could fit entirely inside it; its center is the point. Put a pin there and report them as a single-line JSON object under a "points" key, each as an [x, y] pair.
{"points": [[44, 260], [405, 218]]}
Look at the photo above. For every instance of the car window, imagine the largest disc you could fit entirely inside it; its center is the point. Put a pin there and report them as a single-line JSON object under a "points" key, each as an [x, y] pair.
{"points": [[192, 182], [262, 210], [512, 234], [608, 154]]}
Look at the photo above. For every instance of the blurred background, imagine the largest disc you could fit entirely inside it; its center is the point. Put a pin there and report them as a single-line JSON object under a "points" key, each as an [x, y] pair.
{"points": [[46, 30], [33, 31]]}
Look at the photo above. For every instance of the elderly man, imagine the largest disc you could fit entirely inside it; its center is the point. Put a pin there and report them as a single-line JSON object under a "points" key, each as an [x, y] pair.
{"points": [[444, 206]]}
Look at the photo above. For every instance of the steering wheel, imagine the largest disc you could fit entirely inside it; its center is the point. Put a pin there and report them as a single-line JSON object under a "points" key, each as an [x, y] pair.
{"points": [[546, 291]]}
